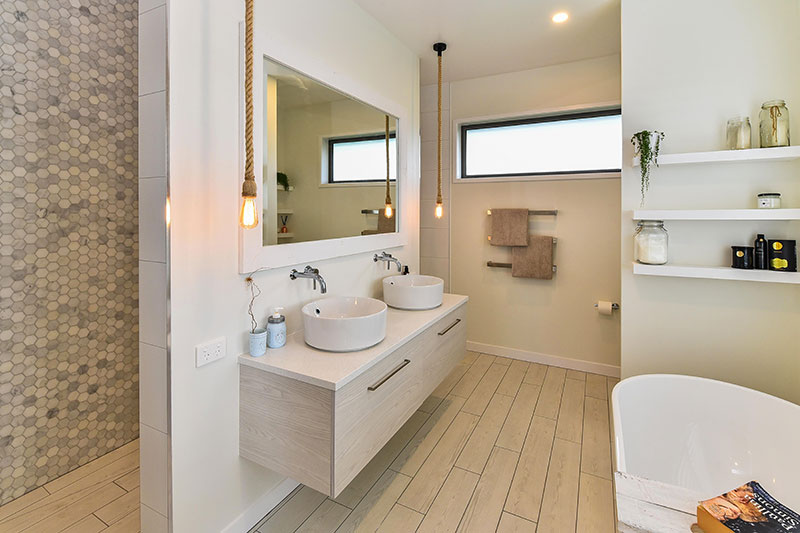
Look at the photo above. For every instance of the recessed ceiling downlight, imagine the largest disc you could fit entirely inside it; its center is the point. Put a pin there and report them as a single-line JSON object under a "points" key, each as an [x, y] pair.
{"points": [[560, 17]]}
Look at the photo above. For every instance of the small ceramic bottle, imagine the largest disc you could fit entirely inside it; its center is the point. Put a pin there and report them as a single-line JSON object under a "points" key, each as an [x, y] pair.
{"points": [[276, 329]]}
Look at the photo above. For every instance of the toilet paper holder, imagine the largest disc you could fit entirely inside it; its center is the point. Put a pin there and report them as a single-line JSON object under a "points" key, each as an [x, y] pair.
{"points": [[614, 306]]}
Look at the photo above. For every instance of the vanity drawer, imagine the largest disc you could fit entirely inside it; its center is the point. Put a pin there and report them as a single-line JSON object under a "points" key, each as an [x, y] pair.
{"points": [[447, 339], [371, 409]]}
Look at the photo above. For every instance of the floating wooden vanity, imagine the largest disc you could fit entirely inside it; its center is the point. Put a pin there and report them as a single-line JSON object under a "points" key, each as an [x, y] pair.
{"points": [[320, 417]]}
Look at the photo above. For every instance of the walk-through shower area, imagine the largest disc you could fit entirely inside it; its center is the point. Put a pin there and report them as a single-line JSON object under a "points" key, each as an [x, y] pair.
{"points": [[68, 236]]}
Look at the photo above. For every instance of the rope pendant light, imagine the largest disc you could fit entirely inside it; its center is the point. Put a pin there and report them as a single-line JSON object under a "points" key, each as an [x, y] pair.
{"points": [[388, 211], [439, 48], [248, 215]]}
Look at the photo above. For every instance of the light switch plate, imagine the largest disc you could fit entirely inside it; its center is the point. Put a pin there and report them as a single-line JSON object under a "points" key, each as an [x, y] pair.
{"points": [[210, 351]]}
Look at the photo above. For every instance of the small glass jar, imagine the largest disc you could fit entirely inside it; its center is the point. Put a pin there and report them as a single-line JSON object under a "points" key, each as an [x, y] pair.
{"points": [[774, 124], [769, 200], [738, 134], [651, 242]]}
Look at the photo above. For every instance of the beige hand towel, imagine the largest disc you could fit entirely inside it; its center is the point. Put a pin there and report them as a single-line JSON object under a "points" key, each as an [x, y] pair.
{"points": [[534, 260], [386, 225], [509, 227]]}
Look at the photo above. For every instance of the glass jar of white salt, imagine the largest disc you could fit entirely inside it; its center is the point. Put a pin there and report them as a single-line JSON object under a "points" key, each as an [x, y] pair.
{"points": [[650, 242]]}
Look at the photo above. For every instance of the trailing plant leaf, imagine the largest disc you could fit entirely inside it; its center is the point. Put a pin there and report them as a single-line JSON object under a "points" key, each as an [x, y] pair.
{"points": [[648, 145]]}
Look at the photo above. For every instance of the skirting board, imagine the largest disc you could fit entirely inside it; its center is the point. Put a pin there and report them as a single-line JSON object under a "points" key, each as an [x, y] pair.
{"points": [[266, 503], [545, 359]]}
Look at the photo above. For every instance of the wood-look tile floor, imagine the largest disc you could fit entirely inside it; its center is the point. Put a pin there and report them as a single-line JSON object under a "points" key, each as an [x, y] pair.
{"points": [[101, 496], [501, 445]]}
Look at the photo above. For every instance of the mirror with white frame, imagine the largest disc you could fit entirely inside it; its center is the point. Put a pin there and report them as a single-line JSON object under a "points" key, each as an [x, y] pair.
{"points": [[326, 158]]}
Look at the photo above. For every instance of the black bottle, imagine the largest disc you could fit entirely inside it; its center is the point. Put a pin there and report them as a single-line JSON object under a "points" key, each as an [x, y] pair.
{"points": [[761, 261]]}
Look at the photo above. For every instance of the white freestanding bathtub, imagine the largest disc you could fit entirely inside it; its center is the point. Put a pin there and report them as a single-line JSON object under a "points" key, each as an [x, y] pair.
{"points": [[705, 436]]}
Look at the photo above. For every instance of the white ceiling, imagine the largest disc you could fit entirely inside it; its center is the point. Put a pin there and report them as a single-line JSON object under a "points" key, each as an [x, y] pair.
{"points": [[486, 37]]}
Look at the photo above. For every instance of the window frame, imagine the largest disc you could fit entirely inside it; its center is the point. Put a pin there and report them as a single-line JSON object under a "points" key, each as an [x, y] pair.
{"points": [[332, 141], [463, 128]]}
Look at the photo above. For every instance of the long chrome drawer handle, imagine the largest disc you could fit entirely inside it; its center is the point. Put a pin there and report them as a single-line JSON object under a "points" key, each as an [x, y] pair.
{"points": [[451, 326], [388, 376]]}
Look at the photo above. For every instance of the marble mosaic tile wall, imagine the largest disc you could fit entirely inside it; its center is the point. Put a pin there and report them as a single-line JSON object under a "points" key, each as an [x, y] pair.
{"points": [[68, 236]]}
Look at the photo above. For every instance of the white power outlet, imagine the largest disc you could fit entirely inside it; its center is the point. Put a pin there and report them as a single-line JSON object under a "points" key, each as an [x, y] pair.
{"points": [[210, 351]]}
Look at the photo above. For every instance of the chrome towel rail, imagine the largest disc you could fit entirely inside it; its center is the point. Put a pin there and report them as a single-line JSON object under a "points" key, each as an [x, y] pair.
{"points": [[545, 212], [508, 265], [489, 238]]}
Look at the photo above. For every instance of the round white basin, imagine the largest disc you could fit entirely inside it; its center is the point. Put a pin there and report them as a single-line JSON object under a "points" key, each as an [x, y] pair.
{"points": [[413, 291], [344, 323]]}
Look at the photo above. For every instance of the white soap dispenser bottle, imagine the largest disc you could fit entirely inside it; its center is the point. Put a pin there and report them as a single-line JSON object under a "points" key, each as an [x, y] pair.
{"points": [[276, 329]]}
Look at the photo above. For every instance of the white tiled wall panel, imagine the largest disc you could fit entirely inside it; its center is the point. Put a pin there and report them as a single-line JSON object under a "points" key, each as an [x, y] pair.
{"points": [[152, 221], [434, 243], [153, 51], [153, 303], [153, 135], [153, 450], [428, 183], [147, 5], [436, 266], [427, 97], [151, 521], [428, 149], [153, 254], [153, 386], [428, 126]]}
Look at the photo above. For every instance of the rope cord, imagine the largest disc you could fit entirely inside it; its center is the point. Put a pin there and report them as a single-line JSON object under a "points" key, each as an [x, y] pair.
{"points": [[439, 136], [774, 113], [249, 188], [388, 195]]}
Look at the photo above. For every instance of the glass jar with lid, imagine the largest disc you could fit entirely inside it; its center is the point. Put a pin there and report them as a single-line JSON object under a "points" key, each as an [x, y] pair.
{"points": [[651, 242], [774, 124]]}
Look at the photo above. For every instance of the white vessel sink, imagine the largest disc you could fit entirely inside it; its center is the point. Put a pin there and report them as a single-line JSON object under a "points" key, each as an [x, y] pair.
{"points": [[344, 323], [413, 291]]}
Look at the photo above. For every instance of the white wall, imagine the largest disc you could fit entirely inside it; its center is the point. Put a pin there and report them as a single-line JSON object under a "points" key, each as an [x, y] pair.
{"points": [[212, 488], [528, 318], [154, 431], [687, 67]]}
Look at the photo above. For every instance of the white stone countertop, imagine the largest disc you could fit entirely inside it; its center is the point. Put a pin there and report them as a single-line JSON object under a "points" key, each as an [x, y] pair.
{"points": [[332, 370]]}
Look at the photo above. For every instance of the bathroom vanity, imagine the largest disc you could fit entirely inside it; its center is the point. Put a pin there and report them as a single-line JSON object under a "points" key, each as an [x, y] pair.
{"points": [[320, 417]]}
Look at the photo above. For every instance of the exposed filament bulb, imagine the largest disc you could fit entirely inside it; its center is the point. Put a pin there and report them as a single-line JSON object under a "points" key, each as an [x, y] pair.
{"points": [[248, 216]]}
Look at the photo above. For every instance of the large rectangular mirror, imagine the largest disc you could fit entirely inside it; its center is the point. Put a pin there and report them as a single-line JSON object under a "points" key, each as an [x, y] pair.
{"points": [[326, 158]]}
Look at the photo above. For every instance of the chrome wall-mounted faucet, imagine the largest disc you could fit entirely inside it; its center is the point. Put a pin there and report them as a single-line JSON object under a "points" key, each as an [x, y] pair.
{"points": [[312, 274], [389, 259]]}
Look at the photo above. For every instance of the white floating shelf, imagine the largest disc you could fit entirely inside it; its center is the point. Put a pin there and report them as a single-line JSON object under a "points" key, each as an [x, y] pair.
{"points": [[786, 153], [726, 273], [285, 211], [716, 214], [285, 235]]}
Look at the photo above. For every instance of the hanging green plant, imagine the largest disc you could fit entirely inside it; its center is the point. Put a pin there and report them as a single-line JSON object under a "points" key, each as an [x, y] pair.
{"points": [[283, 181], [647, 144]]}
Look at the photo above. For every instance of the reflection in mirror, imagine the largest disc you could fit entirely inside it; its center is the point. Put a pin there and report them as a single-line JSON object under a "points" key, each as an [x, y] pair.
{"points": [[325, 166]]}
